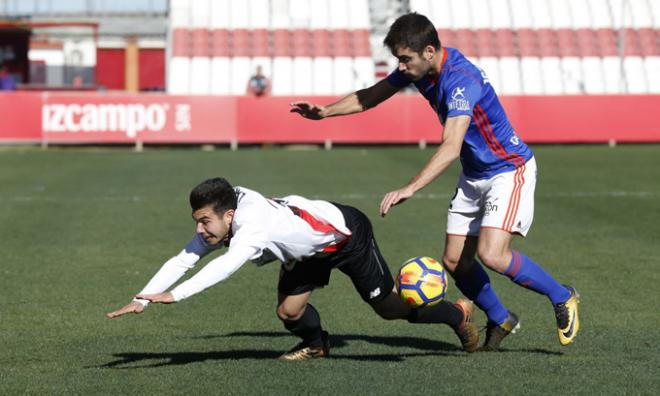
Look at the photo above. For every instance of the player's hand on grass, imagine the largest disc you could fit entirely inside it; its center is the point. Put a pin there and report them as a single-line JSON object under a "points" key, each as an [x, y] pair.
{"points": [[162, 298], [132, 307], [308, 110], [393, 198]]}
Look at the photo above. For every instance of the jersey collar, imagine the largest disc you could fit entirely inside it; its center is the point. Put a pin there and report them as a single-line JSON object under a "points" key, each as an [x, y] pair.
{"points": [[434, 79]]}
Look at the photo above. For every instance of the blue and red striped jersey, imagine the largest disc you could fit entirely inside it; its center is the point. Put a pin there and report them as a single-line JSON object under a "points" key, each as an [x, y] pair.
{"points": [[491, 146]]}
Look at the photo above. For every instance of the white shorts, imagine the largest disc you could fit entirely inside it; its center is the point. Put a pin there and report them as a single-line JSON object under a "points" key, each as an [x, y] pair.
{"points": [[505, 201]]}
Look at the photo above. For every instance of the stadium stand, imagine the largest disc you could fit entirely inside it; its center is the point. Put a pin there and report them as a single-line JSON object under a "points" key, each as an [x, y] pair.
{"points": [[555, 46], [322, 47]]}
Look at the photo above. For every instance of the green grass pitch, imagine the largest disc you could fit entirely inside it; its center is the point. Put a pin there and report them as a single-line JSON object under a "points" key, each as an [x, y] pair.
{"points": [[83, 229]]}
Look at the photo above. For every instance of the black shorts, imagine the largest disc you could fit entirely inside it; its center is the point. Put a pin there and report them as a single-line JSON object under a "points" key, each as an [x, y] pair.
{"points": [[360, 259]]}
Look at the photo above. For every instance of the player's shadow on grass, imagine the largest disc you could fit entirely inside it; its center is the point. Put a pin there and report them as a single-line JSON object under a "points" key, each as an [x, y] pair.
{"points": [[133, 360], [427, 347], [342, 340]]}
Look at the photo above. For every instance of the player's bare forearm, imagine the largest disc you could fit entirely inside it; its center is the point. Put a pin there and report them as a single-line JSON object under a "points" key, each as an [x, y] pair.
{"points": [[349, 104], [161, 298], [437, 165], [448, 152], [355, 102]]}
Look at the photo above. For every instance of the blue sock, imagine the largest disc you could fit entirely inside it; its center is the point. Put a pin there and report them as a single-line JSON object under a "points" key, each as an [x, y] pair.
{"points": [[523, 271], [475, 285]]}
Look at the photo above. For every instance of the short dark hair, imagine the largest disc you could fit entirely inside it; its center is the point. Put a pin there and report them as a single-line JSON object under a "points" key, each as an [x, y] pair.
{"points": [[217, 192], [413, 31]]}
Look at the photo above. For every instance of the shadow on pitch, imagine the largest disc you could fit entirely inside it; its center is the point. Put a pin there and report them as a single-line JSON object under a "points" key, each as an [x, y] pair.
{"points": [[150, 360], [427, 347], [342, 340]]}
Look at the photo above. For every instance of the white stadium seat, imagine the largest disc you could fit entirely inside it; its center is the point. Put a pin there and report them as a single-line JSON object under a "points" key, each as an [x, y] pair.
{"points": [[302, 75], [219, 18], [178, 75], [299, 13], [490, 66], [280, 14], [323, 76], [364, 72], [319, 14], [259, 14], [593, 75], [510, 73], [530, 68], [521, 15], [553, 84], [441, 14], [241, 70], [500, 14], [200, 75], [358, 14], [655, 11], [634, 70], [480, 12], [239, 15], [460, 10], [580, 14], [179, 13], [572, 76], [220, 76], [600, 14], [642, 16], [282, 76], [652, 66], [200, 14], [339, 14], [541, 14], [343, 75], [560, 14], [422, 7], [613, 76]]}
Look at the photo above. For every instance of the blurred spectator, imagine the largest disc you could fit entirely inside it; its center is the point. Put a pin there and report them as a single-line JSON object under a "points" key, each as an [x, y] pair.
{"points": [[7, 81], [258, 85], [77, 81]]}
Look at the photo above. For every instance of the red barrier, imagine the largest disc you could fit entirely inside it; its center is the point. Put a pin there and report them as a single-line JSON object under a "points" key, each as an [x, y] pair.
{"points": [[74, 117]]}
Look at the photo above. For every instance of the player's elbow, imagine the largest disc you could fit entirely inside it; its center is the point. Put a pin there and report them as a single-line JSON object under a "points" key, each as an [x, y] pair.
{"points": [[451, 150]]}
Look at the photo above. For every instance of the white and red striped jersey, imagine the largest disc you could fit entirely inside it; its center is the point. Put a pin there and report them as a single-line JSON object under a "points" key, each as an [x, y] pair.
{"points": [[263, 230]]}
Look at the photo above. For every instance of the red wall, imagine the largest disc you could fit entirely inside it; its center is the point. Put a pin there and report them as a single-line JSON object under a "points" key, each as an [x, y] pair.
{"points": [[160, 118], [110, 68], [152, 69]]}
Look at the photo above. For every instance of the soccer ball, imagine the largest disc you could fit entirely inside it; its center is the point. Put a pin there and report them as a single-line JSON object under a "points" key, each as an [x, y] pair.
{"points": [[421, 282]]}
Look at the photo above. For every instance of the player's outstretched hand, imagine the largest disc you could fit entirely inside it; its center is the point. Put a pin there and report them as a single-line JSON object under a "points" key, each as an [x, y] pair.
{"points": [[162, 298], [308, 110], [132, 307], [393, 198]]}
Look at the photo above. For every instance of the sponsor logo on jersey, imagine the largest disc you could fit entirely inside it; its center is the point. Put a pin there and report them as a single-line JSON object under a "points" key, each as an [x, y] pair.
{"points": [[125, 118], [458, 101]]}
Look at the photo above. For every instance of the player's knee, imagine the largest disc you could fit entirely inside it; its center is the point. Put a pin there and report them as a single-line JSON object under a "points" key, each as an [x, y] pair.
{"points": [[491, 258], [288, 313], [450, 263]]}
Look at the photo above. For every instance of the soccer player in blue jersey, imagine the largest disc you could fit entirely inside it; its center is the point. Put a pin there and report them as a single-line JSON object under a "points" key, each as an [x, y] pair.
{"points": [[494, 198]]}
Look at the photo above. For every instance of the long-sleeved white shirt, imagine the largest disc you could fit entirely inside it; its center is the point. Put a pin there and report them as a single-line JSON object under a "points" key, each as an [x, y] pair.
{"points": [[263, 230]]}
